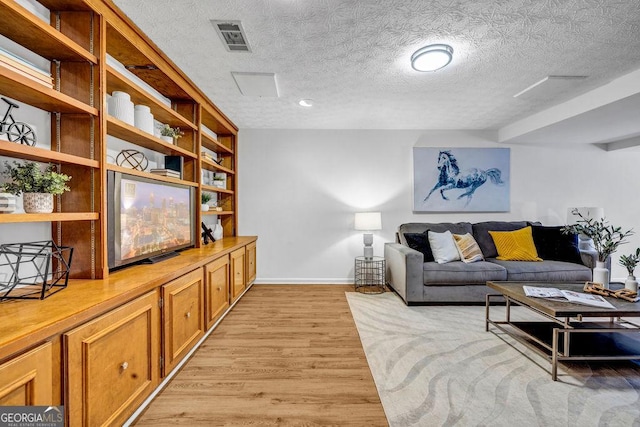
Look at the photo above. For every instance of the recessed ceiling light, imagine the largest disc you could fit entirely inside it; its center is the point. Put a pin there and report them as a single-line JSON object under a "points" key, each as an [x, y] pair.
{"points": [[306, 102], [432, 57]]}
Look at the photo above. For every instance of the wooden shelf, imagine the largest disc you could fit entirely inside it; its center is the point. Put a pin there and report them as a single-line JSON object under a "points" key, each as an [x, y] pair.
{"points": [[122, 130], [211, 165], [21, 26], [161, 112], [150, 175], [213, 189], [13, 149], [23, 89], [216, 121], [56, 216], [214, 145], [217, 213]]}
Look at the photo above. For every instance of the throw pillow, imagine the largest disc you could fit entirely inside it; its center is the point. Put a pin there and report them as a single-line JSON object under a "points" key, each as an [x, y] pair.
{"points": [[468, 248], [551, 243], [443, 248], [420, 242], [515, 245]]}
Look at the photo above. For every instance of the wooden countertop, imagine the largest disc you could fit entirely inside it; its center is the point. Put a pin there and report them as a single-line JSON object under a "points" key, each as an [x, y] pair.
{"points": [[28, 322]]}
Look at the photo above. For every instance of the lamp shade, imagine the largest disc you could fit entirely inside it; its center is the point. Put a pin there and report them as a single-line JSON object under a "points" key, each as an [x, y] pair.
{"points": [[368, 221], [586, 212]]}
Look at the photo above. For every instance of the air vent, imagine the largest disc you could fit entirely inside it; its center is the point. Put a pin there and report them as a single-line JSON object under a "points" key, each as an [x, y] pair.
{"points": [[232, 35]]}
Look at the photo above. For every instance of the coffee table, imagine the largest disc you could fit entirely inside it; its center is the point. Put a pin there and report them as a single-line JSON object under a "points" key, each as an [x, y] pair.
{"points": [[568, 331]]}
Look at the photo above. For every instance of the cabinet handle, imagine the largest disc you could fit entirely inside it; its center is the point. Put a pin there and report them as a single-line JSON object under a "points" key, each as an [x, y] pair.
{"points": [[188, 314], [124, 366], [219, 288]]}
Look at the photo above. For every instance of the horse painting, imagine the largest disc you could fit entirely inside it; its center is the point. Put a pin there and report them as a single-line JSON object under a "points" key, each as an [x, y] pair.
{"points": [[450, 177]]}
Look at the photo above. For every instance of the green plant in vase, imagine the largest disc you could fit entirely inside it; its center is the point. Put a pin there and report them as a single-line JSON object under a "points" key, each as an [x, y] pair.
{"points": [[204, 199], [630, 262], [38, 187], [173, 133]]}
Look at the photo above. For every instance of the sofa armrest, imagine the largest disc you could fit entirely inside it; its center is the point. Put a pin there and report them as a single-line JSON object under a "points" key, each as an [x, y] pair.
{"points": [[405, 271]]}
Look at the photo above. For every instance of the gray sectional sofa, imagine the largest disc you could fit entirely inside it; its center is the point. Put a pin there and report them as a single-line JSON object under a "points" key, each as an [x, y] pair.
{"points": [[420, 281]]}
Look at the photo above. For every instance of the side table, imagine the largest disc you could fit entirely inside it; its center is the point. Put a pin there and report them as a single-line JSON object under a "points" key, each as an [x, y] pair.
{"points": [[370, 275]]}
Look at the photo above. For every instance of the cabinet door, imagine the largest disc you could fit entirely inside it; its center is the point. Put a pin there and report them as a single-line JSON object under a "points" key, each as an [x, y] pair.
{"points": [[26, 380], [216, 289], [251, 263], [112, 363], [183, 312], [237, 273]]}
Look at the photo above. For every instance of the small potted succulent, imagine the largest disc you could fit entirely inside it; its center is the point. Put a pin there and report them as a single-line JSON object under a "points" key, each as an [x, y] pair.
{"points": [[205, 198], [170, 134], [630, 262], [37, 187]]}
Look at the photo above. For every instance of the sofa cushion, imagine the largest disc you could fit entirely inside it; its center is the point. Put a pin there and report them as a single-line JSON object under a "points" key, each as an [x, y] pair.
{"points": [[457, 272], [481, 234], [420, 242], [546, 271], [553, 244], [440, 227], [443, 247], [467, 248], [515, 245]]}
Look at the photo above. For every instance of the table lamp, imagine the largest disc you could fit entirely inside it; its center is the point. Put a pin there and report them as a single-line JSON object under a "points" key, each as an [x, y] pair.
{"points": [[368, 221], [584, 242]]}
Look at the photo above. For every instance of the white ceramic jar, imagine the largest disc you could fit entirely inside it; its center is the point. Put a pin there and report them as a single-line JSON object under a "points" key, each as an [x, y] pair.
{"points": [[143, 118], [121, 107]]}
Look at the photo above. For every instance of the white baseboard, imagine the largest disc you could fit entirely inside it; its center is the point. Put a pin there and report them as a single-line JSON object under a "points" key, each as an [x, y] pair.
{"points": [[289, 281]]}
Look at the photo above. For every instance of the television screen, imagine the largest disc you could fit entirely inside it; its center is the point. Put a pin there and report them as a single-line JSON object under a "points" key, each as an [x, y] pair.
{"points": [[147, 218]]}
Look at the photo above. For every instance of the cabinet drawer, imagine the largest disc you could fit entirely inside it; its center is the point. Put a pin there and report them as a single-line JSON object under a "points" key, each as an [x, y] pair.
{"points": [[251, 263], [237, 273], [183, 313], [112, 363], [216, 289], [26, 380]]}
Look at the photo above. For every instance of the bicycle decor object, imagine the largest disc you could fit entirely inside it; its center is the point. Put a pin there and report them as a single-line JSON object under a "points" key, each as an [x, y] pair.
{"points": [[16, 131]]}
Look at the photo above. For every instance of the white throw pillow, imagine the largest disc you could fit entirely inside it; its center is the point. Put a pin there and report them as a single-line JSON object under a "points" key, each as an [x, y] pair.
{"points": [[443, 247]]}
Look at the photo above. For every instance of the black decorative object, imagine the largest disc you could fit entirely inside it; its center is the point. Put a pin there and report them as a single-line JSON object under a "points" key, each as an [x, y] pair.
{"points": [[207, 234], [16, 131], [133, 159], [37, 270], [175, 163]]}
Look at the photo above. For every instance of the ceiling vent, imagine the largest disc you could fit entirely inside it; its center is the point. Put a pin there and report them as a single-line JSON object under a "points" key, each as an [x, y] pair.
{"points": [[232, 34]]}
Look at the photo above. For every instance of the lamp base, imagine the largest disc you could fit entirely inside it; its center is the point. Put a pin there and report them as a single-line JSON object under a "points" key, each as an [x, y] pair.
{"points": [[368, 252]]}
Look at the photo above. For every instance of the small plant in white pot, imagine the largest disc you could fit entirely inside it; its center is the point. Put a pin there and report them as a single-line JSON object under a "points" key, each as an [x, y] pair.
{"points": [[205, 198], [630, 262], [170, 134], [37, 187]]}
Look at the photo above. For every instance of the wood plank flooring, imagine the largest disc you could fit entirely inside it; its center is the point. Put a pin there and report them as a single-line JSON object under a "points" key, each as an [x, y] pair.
{"points": [[285, 355]]}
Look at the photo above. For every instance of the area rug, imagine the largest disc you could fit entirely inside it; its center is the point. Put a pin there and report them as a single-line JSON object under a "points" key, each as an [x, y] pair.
{"points": [[436, 366]]}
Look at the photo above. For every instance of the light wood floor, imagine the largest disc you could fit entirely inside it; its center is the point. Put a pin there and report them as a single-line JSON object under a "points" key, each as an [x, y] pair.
{"points": [[285, 355]]}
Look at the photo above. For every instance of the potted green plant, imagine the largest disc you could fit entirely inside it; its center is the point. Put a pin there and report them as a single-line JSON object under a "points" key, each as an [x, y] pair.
{"points": [[170, 134], [630, 262], [38, 187], [205, 198], [606, 239]]}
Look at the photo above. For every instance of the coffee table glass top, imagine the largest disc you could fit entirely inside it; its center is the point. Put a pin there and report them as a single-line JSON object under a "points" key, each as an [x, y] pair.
{"points": [[560, 308]]}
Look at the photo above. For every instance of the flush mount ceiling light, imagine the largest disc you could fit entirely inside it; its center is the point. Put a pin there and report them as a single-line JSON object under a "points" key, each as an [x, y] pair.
{"points": [[432, 57], [306, 103]]}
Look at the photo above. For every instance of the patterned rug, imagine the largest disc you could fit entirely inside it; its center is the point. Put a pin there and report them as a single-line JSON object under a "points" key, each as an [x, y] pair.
{"points": [[436, 366]]}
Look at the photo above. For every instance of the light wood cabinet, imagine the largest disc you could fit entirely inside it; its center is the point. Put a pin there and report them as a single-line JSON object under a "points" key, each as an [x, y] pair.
{"points": [[238, 280], [183, 313], [251, 263], [216, 289], [27, 380], [112, 363]]}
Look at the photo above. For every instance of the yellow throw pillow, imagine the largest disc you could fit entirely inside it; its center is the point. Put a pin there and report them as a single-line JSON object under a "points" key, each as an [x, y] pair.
{"points": [[515, 245], [468, 248]]}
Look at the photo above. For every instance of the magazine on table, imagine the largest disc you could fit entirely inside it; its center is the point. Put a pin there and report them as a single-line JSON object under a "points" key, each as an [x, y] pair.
{"points": [[571, 296]]}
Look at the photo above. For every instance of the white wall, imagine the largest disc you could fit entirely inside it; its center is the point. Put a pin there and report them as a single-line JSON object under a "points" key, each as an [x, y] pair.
{"points": [[299, 189]]}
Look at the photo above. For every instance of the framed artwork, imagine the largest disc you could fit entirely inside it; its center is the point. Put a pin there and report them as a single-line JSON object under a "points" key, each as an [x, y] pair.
{"points": [[461, 179]]}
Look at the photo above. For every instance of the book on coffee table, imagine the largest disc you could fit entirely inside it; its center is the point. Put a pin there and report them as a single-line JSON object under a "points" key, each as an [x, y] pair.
{"points": [[571, 296]]}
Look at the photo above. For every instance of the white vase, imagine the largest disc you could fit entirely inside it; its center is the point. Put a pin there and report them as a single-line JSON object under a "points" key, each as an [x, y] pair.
{"points": [[601, 274], [37, 202], [168, 139], [7, 203], [143, 118], [217, 231], [631, 283], [204, 207], [121, 107]]}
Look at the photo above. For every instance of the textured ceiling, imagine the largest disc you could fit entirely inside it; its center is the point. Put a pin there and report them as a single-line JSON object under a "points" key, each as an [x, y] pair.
{"points": [[352, 56]]}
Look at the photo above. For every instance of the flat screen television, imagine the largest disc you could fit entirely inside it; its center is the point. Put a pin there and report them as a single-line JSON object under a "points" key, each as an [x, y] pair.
{"points": [[147, 219]]}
